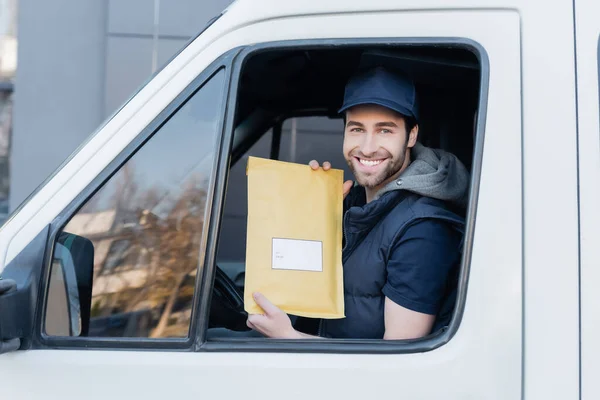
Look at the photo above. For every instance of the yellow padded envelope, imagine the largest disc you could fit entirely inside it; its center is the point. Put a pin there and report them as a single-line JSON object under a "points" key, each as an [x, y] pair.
{"points": [[294, 240]]}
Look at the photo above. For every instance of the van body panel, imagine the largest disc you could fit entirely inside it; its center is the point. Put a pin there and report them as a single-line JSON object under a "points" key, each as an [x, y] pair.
{"points": [[588, 107], [550, 281], [483, 359], [530, 321]]}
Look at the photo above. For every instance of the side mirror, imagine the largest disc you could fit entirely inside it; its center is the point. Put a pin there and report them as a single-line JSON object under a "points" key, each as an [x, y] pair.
{"points": [[70, 287], [8, 286], [69, 290]]}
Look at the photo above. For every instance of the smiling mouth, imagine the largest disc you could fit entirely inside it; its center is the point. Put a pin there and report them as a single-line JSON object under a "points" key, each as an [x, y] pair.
{"points": [[369, 163]]}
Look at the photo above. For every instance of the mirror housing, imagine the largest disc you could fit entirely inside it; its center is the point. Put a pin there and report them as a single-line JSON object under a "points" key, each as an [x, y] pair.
{"points": [[18, 301], [7, 287], [20, 289]]}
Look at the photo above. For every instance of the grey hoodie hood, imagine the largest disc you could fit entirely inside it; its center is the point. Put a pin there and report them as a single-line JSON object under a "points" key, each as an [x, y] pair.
{"points": [[433, 173]]}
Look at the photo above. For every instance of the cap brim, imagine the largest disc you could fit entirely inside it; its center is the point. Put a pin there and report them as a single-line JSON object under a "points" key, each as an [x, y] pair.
{"points": [[392, 106]]}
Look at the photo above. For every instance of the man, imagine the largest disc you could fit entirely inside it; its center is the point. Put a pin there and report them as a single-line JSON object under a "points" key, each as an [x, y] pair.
{"points": [[402, 242]]}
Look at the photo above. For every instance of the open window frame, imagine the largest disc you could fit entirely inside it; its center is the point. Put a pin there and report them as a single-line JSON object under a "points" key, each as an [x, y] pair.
{"points": [[326, 345]]}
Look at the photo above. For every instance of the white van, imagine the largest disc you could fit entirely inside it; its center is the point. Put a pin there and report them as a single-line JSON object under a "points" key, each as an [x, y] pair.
{"points": [[123, 273]]}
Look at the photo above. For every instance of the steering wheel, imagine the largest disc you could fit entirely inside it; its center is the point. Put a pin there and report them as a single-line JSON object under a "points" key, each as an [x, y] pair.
{"points": [[227, 305]]}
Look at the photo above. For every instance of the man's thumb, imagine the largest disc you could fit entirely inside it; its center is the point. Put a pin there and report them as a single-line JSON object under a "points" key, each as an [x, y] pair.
{"points": [[347, 186], [264, 303]]}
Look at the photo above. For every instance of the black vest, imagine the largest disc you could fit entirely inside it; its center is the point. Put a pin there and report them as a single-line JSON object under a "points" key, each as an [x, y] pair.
{"points": [[369, 231]]}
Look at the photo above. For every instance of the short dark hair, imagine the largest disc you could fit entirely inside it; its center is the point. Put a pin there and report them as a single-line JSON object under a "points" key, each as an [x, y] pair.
{"points": [[410, 123]]}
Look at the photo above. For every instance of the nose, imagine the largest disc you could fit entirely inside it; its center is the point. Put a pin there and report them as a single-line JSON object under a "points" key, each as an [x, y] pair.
{"points": [[368, 146]]}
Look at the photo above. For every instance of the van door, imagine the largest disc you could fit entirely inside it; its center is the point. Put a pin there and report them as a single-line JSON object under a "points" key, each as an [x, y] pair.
{"points": [[145, 342], [588, 69]]}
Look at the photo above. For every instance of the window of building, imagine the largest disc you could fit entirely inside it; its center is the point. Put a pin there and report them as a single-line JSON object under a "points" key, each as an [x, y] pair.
{"points": [[6, 110]]}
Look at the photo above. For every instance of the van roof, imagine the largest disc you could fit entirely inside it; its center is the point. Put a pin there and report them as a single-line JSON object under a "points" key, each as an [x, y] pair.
{"points": [[255, 10]]}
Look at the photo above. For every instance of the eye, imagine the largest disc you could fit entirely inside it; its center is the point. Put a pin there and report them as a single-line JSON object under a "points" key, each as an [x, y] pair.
{"points": [[384, 130], [356, 130]]}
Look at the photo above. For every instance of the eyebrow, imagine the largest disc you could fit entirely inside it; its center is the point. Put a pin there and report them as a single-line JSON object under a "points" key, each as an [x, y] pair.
{"points": [[389, 124], [354, 123]]}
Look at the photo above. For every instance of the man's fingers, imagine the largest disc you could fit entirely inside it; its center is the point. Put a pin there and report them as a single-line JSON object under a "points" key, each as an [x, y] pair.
{"points": [[255, 322], [314, 164], [347, 186], [250, 322], [264, 303]]}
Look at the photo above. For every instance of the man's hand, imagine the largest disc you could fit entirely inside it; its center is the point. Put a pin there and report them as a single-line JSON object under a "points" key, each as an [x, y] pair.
{"points": [[274, 323], [314, 164]]}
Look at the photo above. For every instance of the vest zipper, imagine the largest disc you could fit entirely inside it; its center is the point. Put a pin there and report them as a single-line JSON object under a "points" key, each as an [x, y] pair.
{"points": [[344, 223]]}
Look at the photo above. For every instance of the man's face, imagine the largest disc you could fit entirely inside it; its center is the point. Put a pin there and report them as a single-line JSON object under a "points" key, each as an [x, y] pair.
{"points": [[376, 144]]}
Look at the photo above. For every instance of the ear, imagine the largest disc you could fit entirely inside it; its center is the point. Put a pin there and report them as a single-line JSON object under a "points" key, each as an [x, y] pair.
{"points": [[413, 136]]}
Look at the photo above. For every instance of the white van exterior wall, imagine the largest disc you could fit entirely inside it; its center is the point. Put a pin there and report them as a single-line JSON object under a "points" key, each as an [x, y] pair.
{"points": [[519, 336]]}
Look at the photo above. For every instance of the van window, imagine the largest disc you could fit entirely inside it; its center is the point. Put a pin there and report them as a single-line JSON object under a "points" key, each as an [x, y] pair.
{"points": [[145, 225], [287, 106]]}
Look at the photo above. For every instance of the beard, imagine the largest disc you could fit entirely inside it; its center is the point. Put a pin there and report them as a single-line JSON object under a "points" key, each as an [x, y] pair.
{"points": [[383, 174]]}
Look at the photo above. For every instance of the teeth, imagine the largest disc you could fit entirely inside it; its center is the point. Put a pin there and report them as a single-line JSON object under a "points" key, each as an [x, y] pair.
{"points": [[370, 163]]}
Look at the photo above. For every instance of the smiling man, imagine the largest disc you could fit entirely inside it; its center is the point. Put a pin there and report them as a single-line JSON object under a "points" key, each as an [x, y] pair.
{"points": [[402, 241], [377, 145]]}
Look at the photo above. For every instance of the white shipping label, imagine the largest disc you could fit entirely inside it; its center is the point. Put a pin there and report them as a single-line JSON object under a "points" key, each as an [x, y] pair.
{"points": [[299, 255]]}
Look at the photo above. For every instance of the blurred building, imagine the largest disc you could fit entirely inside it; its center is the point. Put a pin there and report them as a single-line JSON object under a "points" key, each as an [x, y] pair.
{"points": [[8, 65], [78, 61]]}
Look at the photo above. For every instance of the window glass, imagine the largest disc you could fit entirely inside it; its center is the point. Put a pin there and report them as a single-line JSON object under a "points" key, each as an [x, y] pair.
{"points": [[314, 138], [145, 226]]}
